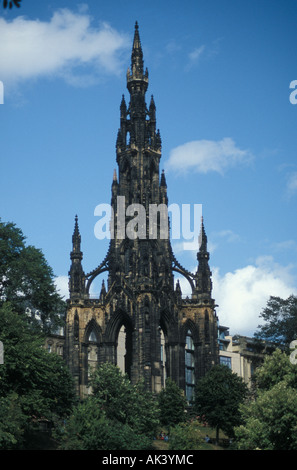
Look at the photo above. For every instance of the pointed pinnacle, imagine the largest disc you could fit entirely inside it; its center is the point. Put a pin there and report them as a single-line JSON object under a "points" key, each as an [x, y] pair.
{"points": [[202, 238], [76, 229], [163, 179]]}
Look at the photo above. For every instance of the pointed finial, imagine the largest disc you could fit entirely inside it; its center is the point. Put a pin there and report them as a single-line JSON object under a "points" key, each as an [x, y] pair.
{"points": [[123, 102], [136, 42], [76, 229], [137, 56], [115, 175], [152, 103], [103, 291], [163, 179], [76, 239], [202, 237]]}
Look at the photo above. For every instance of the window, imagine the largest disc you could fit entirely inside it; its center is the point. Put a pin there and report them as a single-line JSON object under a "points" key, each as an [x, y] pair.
{"points": [[93, 337], [124, 349], [163, 358], [225, 360], [189, 366]]}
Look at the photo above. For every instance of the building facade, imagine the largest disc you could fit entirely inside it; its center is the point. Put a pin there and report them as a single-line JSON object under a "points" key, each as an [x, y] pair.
{"points": [[140, 321], [243, 354]]}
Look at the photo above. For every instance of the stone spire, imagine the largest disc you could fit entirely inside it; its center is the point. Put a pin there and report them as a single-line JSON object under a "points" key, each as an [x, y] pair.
{"points": [[76, 273], [203, 275], [76, 253]]}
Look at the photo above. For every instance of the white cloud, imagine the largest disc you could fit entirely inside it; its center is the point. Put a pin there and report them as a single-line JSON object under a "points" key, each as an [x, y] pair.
{"points": [[292, 184], [207, 155], [62, 286], [228, 235], [35, 48], [195, 55], [242, 294]]}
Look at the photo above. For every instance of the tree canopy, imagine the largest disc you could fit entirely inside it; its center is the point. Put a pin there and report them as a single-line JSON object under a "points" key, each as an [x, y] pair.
{"points": [[280, 317], [117, 416], [217, 396], [26, 279], [172, 404], [33, 383], [269, 422]]}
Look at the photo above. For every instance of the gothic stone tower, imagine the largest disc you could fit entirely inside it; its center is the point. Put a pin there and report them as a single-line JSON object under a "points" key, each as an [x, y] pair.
{"points": [[164, 334]]}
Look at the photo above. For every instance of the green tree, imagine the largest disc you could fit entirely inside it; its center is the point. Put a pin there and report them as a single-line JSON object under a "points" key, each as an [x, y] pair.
{"points": [[186, 436], [172, 404], [89, 428], [275, 368], [26, 279], [218, 396], [117, 416], [269, 422], [280, 317], [39, 382], [124, 402], [12, 422]]}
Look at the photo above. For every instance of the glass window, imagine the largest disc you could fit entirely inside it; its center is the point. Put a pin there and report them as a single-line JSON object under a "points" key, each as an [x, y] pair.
{"points": [[93, 337], [189, 366], [226, 361]]}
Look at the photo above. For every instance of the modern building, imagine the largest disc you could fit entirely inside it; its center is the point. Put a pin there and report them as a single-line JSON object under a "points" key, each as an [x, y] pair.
{"points": [[140, 321], [242, 354]]}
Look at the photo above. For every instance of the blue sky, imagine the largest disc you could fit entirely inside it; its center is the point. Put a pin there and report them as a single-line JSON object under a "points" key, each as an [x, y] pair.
{"points": [[220, 72]]}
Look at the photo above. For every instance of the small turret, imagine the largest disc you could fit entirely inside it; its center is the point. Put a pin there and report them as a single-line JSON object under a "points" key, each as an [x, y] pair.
{"points": [[76, 273], [137, 79], [203, 286]]}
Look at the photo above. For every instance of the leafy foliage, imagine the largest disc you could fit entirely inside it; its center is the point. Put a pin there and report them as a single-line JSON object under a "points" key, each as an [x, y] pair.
{"points": [[26, 279], [280, 316], [276, 368], [172, 404], [90, 429], [125, 402], [38, 382], [12, 422], [186, 436], [270, 420], [218, 396], [117, 416]]}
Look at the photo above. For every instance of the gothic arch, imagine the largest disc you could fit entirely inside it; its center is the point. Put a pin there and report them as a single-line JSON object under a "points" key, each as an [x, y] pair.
{"points": [[189, 325], [93, 275], [168, 326], [112, 335], [118, 319], [206, 326], [185, 274], [93, 327]]}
